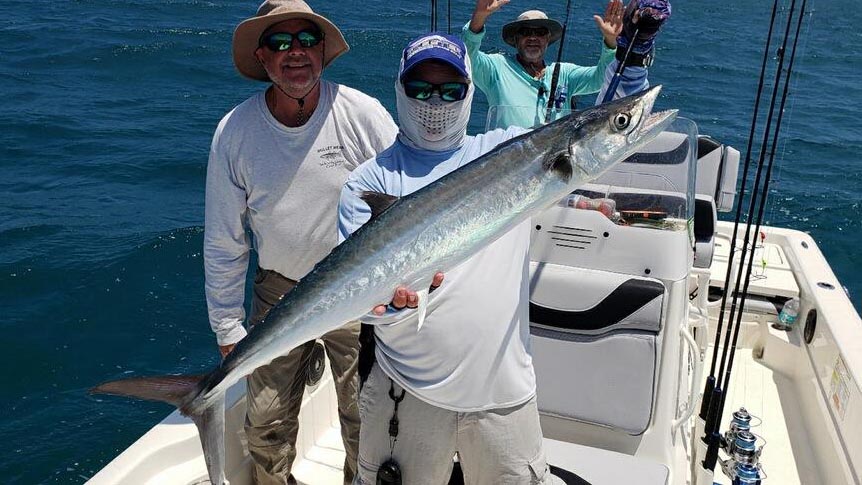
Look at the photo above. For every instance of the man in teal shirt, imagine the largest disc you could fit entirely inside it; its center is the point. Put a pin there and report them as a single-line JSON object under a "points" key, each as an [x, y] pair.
{"points": [[518, 87]]}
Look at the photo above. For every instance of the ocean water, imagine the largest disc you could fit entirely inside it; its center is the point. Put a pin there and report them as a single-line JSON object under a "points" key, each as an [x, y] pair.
{"points": [[107, 113]]}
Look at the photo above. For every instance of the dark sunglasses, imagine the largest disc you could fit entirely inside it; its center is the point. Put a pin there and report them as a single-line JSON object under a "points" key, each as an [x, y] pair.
{"points": [[281, 41], [422, 90], [533, 31]]}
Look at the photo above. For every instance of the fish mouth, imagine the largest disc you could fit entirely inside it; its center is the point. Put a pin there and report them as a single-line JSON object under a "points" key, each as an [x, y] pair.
{"points": [[654, 123]]}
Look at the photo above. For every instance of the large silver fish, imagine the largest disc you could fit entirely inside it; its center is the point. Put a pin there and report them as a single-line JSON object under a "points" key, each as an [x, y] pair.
{"points": [[431, 230]]}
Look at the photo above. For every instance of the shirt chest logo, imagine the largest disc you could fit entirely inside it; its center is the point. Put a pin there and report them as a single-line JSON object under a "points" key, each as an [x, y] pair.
{"points": [[331, 156]]}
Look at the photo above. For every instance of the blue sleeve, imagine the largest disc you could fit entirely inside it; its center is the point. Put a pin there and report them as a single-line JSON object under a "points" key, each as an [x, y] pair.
{"points": [[633, 79], [482, 65], [353, 212], [588, 80]]}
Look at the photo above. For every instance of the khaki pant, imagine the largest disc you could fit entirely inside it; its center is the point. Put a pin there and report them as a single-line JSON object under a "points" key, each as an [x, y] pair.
{"points": [[496, 447], [275, 392]]}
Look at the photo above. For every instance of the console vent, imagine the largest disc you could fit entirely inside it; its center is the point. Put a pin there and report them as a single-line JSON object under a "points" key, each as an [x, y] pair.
{"points": [[571, 237]]}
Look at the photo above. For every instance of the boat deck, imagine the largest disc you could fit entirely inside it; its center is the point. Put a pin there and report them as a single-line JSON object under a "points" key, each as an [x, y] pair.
{"points": [[763, 379], [768, 395], [809, 424]]}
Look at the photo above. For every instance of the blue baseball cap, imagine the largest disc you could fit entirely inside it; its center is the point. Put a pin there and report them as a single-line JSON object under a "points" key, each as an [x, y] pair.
{"points": [[439, 47]]}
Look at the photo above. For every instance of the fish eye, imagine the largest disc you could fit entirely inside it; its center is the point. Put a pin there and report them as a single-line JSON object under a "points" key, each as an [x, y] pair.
{"points": [[621, 121]]}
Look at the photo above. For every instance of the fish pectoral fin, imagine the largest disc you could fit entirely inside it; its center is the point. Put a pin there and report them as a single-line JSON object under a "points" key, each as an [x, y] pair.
{"points": [[377, 201], [422, 307]]}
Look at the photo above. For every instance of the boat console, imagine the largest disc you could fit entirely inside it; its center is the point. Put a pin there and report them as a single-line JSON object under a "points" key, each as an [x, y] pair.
{"points": [[609, 270]]}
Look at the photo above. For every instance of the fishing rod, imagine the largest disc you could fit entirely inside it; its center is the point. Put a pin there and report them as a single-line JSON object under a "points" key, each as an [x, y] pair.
{"points": [[711, 380], [555, 77], [719, 399], [642, 22], [615, 81], [762, 203], [433, 15]]}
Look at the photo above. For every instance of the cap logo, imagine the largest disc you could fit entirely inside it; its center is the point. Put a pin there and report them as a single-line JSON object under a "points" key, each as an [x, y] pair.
{"points": [[433, 42]]}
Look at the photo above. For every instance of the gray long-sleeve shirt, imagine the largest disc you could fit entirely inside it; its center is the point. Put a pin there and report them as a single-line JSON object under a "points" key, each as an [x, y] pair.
{"points": [[283, 184]]}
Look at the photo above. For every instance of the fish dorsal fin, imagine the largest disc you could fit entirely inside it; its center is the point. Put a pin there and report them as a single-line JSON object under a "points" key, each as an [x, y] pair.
{"points": [[377, 201], [422, 307], [561, 164]]}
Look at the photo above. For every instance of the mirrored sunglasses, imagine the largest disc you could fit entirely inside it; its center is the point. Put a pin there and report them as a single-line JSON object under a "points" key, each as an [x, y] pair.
{"points": [[422, 90], [533, 31], [281, 41]]}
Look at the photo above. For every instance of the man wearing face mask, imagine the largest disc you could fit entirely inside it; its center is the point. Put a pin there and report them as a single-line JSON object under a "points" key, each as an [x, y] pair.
{"points": [[463, 383], [518, 87], [276, 167]]}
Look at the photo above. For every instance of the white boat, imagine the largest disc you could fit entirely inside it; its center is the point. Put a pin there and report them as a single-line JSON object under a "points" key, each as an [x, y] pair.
{"points": [[624, 308]]}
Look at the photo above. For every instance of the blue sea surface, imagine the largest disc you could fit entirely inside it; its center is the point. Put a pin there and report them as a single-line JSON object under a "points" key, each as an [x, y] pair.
{"points": [[106, 118]]}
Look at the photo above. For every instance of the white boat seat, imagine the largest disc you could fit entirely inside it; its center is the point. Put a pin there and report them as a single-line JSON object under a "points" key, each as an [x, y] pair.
{"points": [[658, 166], [717, 168], [595, 344], [601, 467], [705, 222]]}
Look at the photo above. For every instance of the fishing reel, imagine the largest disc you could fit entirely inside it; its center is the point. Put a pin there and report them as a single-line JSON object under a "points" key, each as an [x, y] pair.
{"points": [[743, 449]]}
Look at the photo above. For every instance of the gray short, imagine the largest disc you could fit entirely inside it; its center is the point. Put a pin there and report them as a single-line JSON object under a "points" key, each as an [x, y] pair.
{"points": [[501, 446]]}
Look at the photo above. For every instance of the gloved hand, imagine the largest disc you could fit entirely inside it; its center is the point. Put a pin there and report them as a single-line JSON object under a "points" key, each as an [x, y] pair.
{"points": [[647, 17]]}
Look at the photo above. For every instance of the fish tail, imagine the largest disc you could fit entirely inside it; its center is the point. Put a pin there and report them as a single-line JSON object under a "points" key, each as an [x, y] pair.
{"points": [[175, 390], [182, 392]]}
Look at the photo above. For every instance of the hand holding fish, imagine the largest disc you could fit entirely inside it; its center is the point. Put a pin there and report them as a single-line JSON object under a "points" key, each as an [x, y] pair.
{"points": [[405, 297], [225, 349]]}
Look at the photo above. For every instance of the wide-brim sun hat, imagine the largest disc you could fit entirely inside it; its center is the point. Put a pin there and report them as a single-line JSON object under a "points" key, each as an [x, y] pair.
{"points": [[246, 37], [532, 19]]}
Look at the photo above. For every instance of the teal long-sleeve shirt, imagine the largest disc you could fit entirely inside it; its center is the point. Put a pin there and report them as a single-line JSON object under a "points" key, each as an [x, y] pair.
{"points": [[513, 95]]}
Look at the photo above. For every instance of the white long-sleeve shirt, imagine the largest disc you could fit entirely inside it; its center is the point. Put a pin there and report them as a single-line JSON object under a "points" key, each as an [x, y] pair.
{"points": [[283, 184], [473, 352]]}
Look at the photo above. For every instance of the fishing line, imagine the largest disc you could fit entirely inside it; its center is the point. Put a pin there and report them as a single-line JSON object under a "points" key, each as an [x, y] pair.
{"points": [[449, 17], [710, 381], [786, 91], [555, 77], [756, 193], [712, 429], [794, 84]]}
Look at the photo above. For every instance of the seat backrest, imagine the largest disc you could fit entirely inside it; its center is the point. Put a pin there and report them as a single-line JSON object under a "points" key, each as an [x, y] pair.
{"points": [[595, 344], [705, 222], [717, 168]]}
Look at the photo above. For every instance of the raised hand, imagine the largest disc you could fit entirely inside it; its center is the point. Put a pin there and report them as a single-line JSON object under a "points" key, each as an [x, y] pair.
{"points": [[483, 9], [487, 7], [611, 24]]}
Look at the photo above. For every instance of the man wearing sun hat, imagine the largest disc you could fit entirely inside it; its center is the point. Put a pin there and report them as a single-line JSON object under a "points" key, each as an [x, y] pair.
{"points": [[518, 87], [277, 163], [463, 383]]}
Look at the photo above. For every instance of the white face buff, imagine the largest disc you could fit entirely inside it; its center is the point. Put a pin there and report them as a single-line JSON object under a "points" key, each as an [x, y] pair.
{"points": [[434, 124]]}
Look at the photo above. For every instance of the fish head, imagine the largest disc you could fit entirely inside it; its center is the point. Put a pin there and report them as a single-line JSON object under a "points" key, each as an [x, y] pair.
{"points": [[606, 134]]}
